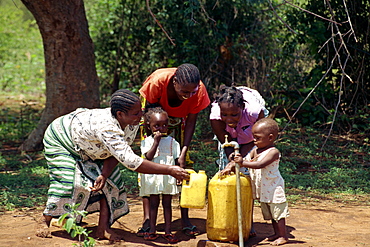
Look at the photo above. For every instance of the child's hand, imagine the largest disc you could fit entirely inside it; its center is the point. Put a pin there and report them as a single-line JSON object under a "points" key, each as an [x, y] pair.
{"points": [[231, 156], [238, 158], [157, 136], [229, 168]]}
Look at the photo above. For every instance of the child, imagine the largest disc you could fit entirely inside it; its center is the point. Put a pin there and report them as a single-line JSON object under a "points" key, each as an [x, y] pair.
{"points": [[267, 183], [163, 149]]}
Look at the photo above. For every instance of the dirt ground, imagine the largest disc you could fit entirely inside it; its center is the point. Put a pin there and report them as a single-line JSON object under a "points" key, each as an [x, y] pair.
{"points": [[313, 222]]}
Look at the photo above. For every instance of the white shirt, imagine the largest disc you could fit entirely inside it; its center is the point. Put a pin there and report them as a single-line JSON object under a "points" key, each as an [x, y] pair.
{"points": [[98, 135], [267, 182]]}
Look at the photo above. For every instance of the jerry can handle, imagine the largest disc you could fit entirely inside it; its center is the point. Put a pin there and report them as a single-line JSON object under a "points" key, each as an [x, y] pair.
{"points": [[187, 181]]}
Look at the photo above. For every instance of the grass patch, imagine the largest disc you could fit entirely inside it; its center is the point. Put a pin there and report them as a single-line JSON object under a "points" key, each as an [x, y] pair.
{"points": [[23, 187], [341, 166]]}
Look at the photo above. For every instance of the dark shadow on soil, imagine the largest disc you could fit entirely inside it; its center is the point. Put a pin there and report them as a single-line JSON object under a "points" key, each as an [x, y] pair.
{"points": [[131, 237], [263, 230]]}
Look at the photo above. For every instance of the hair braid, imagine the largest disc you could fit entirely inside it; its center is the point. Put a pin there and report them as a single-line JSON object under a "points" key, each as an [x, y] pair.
{"points": [[230, 95], [152, 109], [187, 74], [122, 100]]}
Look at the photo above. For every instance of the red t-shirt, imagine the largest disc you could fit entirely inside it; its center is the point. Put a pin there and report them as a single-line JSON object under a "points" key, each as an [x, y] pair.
{"points": [[154, 89]]}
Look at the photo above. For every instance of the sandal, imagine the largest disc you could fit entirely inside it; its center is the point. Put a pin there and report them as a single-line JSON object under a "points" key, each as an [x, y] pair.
{"points": [[150, 236], [171, 238], [252, 233], [142, 230], [191, 231]]}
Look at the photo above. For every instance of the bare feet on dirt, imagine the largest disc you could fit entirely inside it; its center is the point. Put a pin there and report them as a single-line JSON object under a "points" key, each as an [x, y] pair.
{"points": [[108, 234], [277, 240]]}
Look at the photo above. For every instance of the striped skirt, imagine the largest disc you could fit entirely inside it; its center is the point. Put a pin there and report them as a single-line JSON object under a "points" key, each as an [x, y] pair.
{"points": [[71, 178]]}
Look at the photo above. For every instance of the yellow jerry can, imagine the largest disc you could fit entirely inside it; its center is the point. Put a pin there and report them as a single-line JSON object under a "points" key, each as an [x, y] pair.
{"points": [[193, 191], [222, 213]]}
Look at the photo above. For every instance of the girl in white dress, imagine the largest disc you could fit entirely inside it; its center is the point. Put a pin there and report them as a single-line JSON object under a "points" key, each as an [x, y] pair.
{"points": [[163, 149]]}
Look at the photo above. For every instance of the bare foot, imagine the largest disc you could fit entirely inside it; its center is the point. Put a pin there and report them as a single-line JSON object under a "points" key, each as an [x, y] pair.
{"points": [[108, 234], [279, 241], [271, 238], [42, 228]]}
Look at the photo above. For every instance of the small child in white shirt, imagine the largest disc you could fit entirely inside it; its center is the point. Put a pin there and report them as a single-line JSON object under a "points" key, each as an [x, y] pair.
{"points": [[267, 182]]}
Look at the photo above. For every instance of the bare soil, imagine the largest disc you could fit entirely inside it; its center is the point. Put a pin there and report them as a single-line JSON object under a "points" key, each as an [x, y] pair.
{"points": [[313, 221]]}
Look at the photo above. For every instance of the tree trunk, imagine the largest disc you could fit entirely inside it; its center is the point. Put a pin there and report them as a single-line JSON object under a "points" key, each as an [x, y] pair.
{"points": [[71, 78]]}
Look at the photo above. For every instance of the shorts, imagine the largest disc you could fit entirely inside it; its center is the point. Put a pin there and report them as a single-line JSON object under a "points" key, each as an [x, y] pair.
{"points": [[274, 211]]}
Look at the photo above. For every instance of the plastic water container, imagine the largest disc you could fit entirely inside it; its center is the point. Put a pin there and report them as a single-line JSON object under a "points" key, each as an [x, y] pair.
{"points": [[193, 191], [222, 213]]}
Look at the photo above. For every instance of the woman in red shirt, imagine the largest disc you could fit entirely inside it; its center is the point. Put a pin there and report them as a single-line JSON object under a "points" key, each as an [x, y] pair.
{"points": [[181, 93]]}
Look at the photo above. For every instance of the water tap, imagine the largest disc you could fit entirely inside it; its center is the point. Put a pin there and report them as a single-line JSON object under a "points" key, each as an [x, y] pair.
{"points": [[233, 144]]}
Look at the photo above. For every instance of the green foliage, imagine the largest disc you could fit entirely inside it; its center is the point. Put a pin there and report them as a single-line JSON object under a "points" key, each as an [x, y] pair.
{"points": [[21, 52], [126, 36], [204, 154], [122, 38], [73, 229], [131, 180], [329, 55], [240, 42]]}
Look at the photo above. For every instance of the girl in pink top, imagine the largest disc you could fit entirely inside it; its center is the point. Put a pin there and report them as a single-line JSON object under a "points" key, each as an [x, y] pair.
{"points": [[233, 113]]}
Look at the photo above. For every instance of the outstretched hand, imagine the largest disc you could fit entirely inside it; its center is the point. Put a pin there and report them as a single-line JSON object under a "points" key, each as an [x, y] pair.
{"points": [[179, 173]]}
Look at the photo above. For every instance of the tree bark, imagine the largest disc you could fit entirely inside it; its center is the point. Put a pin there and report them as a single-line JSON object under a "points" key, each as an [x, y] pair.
{"points": [[71, 78]]}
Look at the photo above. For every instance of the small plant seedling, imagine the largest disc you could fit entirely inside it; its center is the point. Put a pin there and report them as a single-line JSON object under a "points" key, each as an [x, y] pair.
{"points": [[68, 220]]}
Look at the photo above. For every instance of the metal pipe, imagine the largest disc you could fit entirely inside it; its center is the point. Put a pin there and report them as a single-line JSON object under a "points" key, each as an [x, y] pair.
{"points": [[235, 145]]}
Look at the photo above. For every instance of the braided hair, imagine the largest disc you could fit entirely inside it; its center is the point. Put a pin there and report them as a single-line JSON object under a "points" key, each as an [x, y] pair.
{"points": [[187, 74], [230, 95], [152, 109], [122, 100]]}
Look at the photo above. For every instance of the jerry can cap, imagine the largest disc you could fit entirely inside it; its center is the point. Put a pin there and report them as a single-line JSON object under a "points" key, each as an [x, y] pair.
{"points": [[190, 170]]}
